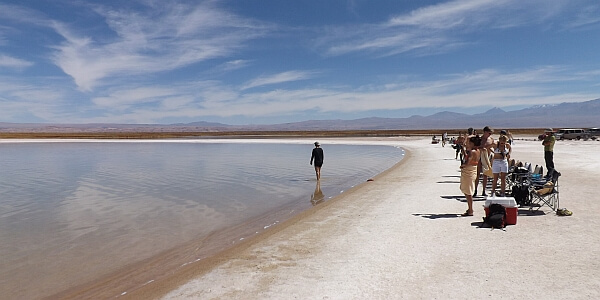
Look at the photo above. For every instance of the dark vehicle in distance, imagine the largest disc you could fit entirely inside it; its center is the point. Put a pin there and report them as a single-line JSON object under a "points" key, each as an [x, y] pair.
{"points": [[594, 133]]}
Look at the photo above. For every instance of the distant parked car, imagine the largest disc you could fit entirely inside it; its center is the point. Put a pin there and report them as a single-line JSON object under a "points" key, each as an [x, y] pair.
{"points": [[571, 133], [594, 132]]}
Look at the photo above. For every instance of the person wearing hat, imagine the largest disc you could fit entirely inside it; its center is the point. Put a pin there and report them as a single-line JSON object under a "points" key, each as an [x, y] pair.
{"points": [[317, 156], [548, 142]]}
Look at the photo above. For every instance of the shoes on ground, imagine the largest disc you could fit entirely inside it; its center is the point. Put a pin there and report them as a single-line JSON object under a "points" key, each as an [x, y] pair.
{"points": [[564, 212]]}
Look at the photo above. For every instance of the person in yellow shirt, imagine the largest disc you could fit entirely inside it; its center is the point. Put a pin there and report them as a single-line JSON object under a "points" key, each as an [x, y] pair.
{"points": [[548, 142]]}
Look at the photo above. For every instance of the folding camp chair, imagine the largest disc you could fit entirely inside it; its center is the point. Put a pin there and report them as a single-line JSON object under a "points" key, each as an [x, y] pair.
{"points": [[546, 194]]}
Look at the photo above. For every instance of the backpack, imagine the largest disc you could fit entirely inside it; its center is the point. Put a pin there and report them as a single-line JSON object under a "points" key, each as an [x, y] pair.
{"points": [[521, 194], [496, 217]]}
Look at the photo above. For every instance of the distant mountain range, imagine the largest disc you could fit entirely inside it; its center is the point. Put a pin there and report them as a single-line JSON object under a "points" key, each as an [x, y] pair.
{"points": [[574, 115]]}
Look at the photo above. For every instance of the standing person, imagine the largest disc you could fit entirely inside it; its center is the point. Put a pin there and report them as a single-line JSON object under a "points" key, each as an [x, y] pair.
{"points": [[485, 165], [463, 150], [459, 145], [548, 142], [317, 156], [468, 172], [500, 164], [444, 138], [510, 137]]}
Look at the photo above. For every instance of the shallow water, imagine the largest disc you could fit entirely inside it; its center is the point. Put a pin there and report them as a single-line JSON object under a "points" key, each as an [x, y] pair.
{"points": [[71, 212]]}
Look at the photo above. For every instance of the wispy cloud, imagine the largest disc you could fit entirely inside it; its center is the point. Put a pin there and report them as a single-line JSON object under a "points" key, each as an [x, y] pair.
{"points": [[279, 78], [156, 40], [588, 16], [20, 14], [124, 99], [233, 65], [441, 27], [44, 101], [13, 63], [483, 88]]}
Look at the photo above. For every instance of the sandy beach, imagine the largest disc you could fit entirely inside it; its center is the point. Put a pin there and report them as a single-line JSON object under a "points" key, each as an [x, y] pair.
{"points": [[401, 236]]}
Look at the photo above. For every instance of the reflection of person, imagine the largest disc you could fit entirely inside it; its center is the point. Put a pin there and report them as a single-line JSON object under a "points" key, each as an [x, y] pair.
{"points": [[500, 164], [468, 171], [317, 197], [549, 140], [317, 156]]}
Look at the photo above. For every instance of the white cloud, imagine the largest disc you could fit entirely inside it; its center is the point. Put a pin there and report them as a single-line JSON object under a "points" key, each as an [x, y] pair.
{"points": [[486, 87], [43, 101], [279, 78], [13, 63], [127, 98], [588, 16], [442, 27], [159, 40], [233, 65]]}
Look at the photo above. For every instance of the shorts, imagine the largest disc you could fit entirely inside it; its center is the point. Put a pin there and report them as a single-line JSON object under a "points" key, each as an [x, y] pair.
{"points": [[500, 166]]}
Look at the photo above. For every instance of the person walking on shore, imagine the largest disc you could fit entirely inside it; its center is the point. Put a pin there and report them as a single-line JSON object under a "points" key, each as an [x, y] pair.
{"points": [[468, 172], [548, 142], [317, 156]]}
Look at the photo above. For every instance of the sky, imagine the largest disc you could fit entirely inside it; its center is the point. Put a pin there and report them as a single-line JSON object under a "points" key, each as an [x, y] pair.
{"points": [[275, 61]]}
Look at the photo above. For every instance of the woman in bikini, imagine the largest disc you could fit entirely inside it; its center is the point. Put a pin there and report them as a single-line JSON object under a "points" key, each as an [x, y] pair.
{"points": [[468, 172], [500, 164]]}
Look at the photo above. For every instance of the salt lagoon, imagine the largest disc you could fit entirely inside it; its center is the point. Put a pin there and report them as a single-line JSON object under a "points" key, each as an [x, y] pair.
{"points": [[77, 210]]}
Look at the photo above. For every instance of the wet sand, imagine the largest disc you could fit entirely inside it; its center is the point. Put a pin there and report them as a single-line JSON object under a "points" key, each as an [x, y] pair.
{"points": [[401, 236]]}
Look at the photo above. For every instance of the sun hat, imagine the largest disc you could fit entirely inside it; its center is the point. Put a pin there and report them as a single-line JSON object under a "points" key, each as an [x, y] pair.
{"points": [[549, 130]]}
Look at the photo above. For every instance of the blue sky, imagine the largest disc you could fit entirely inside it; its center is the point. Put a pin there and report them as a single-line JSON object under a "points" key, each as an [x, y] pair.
{"points": [[275, 61]]}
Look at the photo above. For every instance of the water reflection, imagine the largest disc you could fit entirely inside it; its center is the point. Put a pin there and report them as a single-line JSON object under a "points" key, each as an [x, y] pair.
{"points": [[87, 209], [317, 197]]}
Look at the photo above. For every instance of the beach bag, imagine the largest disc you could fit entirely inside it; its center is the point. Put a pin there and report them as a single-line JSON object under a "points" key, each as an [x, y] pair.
{"points": [[496, 217], [547, 188]]}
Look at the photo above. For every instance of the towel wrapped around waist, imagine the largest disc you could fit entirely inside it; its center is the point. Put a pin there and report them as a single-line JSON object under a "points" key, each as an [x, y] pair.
{"points": [[467, 179]]}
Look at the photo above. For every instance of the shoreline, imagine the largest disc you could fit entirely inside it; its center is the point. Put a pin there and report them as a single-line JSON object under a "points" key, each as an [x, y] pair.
{"points": [[401, 236], [290, 134]]}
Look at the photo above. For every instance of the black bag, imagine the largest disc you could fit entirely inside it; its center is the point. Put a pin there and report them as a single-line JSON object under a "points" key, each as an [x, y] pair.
{"points": [[521, 194], [496, 217]]}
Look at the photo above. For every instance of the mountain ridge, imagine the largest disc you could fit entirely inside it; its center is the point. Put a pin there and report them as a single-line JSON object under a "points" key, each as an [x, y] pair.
{"points": [[572, 114]]}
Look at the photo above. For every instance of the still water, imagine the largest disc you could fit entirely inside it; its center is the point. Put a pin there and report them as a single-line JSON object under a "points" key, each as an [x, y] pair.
{"points": [[73, 211]]}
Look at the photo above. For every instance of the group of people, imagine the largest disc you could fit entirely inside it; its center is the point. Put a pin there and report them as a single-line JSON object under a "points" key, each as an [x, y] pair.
{"points": [[482, 155], [486, 156]]}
